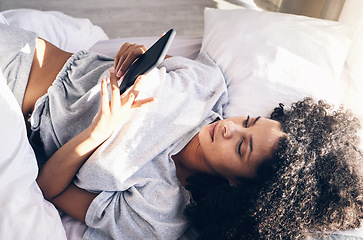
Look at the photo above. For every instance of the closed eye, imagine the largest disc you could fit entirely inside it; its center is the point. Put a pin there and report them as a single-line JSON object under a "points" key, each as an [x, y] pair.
{"points": [[239, 147]]}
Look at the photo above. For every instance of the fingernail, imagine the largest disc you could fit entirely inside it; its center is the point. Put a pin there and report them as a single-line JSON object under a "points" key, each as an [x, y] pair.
{"points": [[112, 70], [107, 80], [119, 74]]}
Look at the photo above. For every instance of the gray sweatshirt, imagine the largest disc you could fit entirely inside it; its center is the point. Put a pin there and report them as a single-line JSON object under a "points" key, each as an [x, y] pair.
{"points": [[139, 195], [16, 56]]}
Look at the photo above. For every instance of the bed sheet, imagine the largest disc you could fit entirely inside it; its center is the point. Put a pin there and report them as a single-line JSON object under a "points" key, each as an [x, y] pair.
{"points": [[188, 47], [66, 32], [24, 213]]}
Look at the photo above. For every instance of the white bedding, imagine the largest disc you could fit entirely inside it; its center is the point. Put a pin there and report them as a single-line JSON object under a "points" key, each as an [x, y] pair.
{"points": [[68, 33], [183, 46], [24, 214]]}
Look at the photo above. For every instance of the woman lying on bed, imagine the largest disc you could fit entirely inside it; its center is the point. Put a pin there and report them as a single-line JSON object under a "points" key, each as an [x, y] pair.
{"points": [[123, 171]]}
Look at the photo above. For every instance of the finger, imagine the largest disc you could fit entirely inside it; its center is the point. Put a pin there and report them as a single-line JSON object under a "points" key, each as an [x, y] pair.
{"points": [[129, 56], [121, 51], [113, 78], [130, 100], [140, 80], [137, 86], [126, 91], [115, 90], [104, 96], [133, 53], [143, 102], [119, 73]]}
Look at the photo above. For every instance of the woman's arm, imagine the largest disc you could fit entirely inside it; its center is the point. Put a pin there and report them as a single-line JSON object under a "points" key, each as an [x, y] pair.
{"points": [[55, 178]]}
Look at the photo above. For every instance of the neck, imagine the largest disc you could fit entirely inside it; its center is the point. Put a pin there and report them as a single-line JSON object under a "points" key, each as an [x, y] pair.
{"points": [[188, 161]]}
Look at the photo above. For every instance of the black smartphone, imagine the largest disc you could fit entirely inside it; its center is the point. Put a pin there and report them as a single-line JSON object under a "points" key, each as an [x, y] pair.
{"points": [[149, 60]]}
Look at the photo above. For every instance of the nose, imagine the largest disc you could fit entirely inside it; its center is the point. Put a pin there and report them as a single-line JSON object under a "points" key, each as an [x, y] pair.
{"points": [[230, 128]]}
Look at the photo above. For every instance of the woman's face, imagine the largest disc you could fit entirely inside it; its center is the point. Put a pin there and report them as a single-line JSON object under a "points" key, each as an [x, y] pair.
{"points": [[235, 147]]}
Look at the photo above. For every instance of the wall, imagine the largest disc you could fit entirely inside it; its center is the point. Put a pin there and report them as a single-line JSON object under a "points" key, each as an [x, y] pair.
{"points": [[326, 9]]}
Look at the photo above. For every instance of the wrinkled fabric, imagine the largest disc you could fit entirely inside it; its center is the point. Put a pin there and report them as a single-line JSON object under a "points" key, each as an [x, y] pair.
{"points": [[16, 57], [139, 193]]}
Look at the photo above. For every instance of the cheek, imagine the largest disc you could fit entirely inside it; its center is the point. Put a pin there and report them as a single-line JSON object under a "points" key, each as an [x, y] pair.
{"points": [[221, 152], [214, 155], [225, 160]]}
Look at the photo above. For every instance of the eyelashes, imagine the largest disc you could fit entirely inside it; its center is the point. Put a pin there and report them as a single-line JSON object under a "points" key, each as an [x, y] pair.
{"points": [[246, 121], [239, 147], [245, 124]]}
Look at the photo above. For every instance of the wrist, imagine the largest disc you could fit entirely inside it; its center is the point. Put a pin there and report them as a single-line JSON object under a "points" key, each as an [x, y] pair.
{"points": [[94, 136]]}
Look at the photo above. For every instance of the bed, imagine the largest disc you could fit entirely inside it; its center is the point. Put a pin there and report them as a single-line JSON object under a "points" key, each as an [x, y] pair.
{"points": [[267, 58]]}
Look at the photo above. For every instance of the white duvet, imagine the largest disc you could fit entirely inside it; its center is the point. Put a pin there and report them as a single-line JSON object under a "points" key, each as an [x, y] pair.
{"points": [[24, 213]]}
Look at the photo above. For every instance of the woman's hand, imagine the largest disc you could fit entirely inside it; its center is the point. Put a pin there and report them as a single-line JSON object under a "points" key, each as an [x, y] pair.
{"points": [[127, 54], [112, 112]]}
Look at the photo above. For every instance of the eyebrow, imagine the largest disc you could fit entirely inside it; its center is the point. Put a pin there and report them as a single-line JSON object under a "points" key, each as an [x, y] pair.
{"points": [[251, 145], [251, 142], [257, 118]]}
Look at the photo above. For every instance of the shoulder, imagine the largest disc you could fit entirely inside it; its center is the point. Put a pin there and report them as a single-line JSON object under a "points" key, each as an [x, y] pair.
{"points": [[11, 36]]}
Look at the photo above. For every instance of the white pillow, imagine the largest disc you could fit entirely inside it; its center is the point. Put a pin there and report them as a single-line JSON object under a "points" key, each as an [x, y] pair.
{"points": [[66, 32], [24, 212], [268, 58], [3, 20], [352, 76], [351, 87]]}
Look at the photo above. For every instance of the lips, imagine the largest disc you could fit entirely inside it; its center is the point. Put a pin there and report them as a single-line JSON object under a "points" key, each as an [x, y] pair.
{"points": [[212, 128]]}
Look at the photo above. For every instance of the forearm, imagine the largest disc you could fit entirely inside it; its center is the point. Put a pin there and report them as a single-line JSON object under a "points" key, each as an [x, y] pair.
{"points": [[60, 169]]}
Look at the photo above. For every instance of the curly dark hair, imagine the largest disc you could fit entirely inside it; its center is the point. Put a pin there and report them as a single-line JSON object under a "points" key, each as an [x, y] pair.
{"points": [[311, 186]]}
